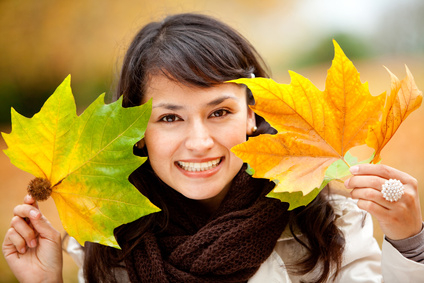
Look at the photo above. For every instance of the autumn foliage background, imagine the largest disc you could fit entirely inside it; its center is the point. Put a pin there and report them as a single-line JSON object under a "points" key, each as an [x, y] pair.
{"points": [[43, 41]]}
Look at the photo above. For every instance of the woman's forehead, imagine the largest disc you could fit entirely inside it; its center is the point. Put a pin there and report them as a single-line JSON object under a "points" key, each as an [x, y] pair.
{"points": [[167, 91]]}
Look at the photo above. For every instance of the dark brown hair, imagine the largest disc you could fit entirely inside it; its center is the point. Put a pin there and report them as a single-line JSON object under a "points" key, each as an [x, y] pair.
{"points": [[200, 51]]}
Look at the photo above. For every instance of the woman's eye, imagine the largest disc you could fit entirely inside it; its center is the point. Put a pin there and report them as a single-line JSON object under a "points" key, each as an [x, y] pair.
{"points": [[169, 118], [219, 113]]}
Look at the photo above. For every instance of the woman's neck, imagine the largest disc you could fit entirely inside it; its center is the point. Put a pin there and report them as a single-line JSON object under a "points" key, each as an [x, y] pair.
{"points": [[210, 205]]}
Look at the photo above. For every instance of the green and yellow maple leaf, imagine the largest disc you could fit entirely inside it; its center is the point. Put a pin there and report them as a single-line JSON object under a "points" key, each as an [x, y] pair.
{"points": [[87, 160], [315, 128]]}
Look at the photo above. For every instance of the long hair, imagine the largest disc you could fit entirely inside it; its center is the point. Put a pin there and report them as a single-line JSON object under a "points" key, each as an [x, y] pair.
{"points": [[200, 51]]}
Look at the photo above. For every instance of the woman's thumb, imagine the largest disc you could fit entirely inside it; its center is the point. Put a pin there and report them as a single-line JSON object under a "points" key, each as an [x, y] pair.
{"points": [[43, 226]]}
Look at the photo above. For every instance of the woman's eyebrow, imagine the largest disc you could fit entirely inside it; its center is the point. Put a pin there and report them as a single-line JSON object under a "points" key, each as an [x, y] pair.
{"points": [[214, 102], [168, 106], [219, 100]]}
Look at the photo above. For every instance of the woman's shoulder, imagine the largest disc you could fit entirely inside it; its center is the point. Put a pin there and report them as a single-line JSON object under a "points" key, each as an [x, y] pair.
{"points": [[76, 252], [346, 211], [362, 254], [345, 208]]}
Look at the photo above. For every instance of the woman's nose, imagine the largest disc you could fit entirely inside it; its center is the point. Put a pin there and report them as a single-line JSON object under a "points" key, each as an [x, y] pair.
{"points": [[199, 138]]}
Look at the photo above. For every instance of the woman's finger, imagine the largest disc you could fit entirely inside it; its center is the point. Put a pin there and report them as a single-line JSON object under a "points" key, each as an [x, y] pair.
{"points": [[24, 230], [26, 211], [13, 242], [37, 220], [374, 177], [372, 207], [383, 171], [45, 229], [370, 195], [28, 199], [364, 181]]}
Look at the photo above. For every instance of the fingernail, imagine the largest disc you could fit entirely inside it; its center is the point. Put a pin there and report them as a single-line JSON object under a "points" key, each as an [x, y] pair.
{"points": [[22, 251], [33, 213], [346, 183], [33, 243], [354, 169]]}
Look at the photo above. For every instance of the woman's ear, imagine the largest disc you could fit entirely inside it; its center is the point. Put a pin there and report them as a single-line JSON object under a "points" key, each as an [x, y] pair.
{"points": [[251, 122], [140, 148], [140, 144]]}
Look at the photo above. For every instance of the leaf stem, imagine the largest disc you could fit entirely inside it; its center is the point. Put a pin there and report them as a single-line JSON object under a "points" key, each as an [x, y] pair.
{"points": [[348, 165]]}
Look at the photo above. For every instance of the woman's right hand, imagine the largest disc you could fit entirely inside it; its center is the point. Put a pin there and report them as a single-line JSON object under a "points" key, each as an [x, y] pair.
{"points": [[32, 247]]}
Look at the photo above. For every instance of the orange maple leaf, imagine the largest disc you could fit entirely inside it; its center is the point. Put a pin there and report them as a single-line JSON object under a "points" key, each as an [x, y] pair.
{"points": [[315, 128], [404, 98]]}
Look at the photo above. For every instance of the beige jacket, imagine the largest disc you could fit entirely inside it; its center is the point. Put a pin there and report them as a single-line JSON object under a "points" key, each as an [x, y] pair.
{"points": [[363, 261]]}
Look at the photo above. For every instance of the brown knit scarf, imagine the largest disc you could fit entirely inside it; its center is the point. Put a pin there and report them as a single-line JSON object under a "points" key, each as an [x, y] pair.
{"points": [[228, 246]]}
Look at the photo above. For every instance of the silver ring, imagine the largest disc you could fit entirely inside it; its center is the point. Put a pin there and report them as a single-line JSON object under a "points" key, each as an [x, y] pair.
{"points": [[392, 190]]}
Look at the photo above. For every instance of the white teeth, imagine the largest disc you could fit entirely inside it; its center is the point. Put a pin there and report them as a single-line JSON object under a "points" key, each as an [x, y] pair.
{"points": [[197, 167]]}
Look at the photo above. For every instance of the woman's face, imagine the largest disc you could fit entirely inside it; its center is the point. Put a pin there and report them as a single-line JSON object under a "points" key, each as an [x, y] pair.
{"points": [[190, 135]]}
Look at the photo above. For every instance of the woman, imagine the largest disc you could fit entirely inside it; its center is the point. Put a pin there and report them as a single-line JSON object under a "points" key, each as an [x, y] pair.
{"points": [[216, 225]]}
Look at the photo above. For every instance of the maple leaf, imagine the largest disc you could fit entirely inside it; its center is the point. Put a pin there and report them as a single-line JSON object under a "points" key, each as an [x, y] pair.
{"points": [[315, 128], [404, 98], [86, 159]]}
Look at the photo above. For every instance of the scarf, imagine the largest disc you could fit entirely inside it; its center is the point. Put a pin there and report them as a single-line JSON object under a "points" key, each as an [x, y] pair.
{"points": [[227, 246]]}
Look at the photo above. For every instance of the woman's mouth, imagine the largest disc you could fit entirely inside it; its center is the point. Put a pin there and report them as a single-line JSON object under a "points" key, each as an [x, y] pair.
{"points": [[199, 166]]}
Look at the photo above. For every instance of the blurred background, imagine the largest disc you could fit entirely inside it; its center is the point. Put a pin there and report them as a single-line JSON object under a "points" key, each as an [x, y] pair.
{"points": [[43, 41]]}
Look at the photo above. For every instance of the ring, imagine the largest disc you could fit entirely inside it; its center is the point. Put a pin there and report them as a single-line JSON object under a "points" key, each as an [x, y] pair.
{"points": [[392, 190]]}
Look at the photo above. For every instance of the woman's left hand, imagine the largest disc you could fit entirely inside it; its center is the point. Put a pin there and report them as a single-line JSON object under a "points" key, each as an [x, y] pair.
{"points": [[398, 220]]}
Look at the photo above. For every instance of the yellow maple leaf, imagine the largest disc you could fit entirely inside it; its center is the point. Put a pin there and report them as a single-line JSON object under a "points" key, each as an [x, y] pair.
{"points": [[315, 128], [404, 98]]}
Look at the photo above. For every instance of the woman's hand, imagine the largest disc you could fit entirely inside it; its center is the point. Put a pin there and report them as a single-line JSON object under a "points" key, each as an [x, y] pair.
{"points": [[398, 220], [32, 247]]}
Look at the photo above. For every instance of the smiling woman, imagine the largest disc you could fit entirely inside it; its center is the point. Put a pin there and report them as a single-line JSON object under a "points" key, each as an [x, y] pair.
{"points": [[190, 135], [216, 223]]}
